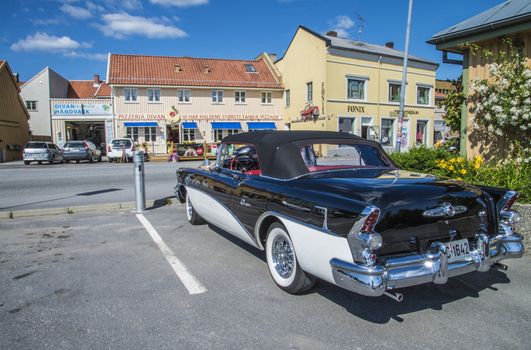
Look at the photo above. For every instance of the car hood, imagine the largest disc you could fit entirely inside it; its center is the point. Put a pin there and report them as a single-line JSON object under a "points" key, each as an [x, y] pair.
{"points": [[403, 197]]}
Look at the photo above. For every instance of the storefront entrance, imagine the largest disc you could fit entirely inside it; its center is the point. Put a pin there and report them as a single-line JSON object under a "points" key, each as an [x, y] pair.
{"points": [[86, 130]]}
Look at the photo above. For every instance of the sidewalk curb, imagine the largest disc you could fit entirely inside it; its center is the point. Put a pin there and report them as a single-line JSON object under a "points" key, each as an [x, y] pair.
{"points": [[73, 210]]}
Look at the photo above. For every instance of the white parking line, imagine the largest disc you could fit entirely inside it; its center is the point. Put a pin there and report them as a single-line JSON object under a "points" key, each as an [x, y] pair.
{"points": [[190, 282]]}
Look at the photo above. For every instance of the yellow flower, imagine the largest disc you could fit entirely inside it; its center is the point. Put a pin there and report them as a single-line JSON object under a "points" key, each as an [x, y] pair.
{"points": [[459, 179], [476, 166], [451, 168], [460, 160], [452, 160], [463, 171]]}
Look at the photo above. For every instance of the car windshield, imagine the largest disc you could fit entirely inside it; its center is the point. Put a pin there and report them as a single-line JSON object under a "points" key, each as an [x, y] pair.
{"points": [[74, 144], [121, 143], [321, 157], [36, 145]]}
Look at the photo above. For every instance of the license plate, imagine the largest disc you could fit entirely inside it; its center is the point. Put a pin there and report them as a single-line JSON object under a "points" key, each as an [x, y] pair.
{"points": [[458, 250]]}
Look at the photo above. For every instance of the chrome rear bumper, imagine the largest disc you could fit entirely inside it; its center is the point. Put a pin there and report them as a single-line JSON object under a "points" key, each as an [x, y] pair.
{"points": [[417, 269]]}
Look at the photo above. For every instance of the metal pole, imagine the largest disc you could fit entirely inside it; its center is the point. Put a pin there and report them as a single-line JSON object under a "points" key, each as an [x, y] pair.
{"points": [[403, 85], [140, 189]]}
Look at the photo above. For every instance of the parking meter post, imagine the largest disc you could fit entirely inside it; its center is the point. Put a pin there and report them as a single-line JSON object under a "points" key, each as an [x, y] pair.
{"points": [[140, 189]]}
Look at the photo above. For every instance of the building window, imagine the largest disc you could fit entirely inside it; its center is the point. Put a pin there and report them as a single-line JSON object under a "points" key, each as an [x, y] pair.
{"points": [[239, 96], [387, 132], [423, 95], [183, 95], [421, 136], [394, 92], [131, 95], [355, 89], [249, 68], [188, 135], [132, 133], [154, 95], [309, 92], [288, 98], [217, 96], [219, 134], [266, 97], [31, 106], [150, 133]]}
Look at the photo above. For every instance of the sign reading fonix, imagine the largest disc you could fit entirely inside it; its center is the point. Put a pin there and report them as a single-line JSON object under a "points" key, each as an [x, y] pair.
{"points": [[81, 109]]}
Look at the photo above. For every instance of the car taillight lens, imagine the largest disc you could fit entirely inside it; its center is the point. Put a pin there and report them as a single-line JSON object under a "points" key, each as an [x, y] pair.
{"points": [[85, 146], [510, 202], [109, 149], [370, 222]]}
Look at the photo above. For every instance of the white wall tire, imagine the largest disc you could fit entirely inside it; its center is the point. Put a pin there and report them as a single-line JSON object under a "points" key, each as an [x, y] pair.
{"points": [[282, 261], [191, 214]]}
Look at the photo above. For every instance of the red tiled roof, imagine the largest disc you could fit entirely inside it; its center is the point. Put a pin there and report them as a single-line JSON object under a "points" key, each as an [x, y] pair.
{"points": [[164, 70], [86, 89]]}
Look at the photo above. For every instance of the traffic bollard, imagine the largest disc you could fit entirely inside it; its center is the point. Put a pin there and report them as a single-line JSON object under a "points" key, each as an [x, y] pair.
{"points": [[140, 189]]}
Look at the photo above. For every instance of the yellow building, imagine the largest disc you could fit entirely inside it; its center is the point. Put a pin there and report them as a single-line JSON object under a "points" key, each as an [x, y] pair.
{"points": [[14, 128], [356, 87]]}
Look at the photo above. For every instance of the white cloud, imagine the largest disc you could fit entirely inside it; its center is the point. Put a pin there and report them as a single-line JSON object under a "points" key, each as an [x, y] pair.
{"points": [[179, 3], [341, 25], [93, 7], [86, 55], [131, 4], [44, 42], [45, 22], [122, 25], [76, 12]]}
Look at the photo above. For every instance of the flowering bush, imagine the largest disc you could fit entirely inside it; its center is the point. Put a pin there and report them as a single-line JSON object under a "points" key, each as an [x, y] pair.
{"points": [[459, 168], [503, 102]]}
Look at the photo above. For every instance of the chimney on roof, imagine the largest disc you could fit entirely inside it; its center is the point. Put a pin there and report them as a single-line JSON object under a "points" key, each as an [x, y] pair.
{"points": [[178, 68], [96, 81], [332, 33], [390, 44], [206, 69], [17, 77]]}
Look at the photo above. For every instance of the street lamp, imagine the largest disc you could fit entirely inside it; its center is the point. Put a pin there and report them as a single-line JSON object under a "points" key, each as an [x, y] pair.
{"points": [[403, 85]]}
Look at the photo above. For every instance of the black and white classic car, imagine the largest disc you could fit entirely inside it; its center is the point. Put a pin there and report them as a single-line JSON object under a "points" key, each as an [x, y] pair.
{"points": [[334, 206]]}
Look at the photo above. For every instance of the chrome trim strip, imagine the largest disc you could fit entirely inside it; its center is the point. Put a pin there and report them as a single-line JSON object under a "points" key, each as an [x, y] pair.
{"points": [[445, 210]]}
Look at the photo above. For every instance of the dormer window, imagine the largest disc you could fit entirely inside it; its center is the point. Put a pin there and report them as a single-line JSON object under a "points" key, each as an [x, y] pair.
{"points": [[249, 68]]}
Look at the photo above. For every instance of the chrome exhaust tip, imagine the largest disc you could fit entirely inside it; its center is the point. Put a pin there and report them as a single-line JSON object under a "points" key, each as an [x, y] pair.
{"points": [[395, 296]]}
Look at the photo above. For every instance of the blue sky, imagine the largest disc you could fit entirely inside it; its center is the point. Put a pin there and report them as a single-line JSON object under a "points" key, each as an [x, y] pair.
{"points": [[73, 37]]}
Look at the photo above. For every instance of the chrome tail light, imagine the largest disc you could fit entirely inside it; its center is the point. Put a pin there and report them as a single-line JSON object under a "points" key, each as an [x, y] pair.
{"points": [[363, 239], [508, 217]]}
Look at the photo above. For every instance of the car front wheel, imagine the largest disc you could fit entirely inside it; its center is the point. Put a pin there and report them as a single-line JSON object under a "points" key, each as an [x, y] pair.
{"points": [[191, 214], [282, 262]]}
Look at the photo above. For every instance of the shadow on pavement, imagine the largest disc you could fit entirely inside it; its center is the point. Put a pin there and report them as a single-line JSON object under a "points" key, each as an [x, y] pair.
{"points": [[161, 202]]}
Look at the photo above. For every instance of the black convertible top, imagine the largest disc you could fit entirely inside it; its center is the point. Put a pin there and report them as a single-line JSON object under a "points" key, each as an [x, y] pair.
{"points": [[279, 152]]}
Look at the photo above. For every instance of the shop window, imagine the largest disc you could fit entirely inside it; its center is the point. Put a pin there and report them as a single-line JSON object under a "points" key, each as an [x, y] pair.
{"points": [[131, 95], [309, 91], [218, 135], [217, 96], [266, 97], [188, 135], [423, 95], [31, 106], [355, 89], [287, 98], [421, 135], [394, 92], [387, 132], [153, 95], [239, 96], [183, 95], [132, 133], [150, 133]]}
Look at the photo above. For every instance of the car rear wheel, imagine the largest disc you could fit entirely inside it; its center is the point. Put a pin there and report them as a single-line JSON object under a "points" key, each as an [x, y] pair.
{"points": [[282, 262], [191, 214], [27, 162], [52, 160], [100, 158], [77, 161]]}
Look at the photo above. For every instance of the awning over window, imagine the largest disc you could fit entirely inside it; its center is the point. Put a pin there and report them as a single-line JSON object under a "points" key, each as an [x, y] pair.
{"points": [[226, 125], [261, 125], [139, 124], [189, 125]]}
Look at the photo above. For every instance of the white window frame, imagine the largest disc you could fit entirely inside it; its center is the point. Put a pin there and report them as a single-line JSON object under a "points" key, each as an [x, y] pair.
{"points": [[430, 89], [266, 97], [184, 95], [309, 87], [132, 133], [217, 96], [389, 83], [151, 133], [426, 132], [153, 95], [365, 89], [393, 131], [188, 135], [240, 97], [133, 95], [287, 98], [35, 109]]}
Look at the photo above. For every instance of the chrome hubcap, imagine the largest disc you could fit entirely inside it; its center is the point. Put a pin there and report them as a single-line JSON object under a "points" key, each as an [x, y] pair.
{"points": [[189, 208], [282, 256]]}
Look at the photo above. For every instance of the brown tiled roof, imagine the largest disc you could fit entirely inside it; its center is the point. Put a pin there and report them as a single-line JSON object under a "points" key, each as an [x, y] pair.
{"points": [[86, 89], [188, 71]]}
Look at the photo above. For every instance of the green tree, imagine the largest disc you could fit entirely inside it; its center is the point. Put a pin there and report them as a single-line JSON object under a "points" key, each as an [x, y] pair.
{"points": [[454, 104]]}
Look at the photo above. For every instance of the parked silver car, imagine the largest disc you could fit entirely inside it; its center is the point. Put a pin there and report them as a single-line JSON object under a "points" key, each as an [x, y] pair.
{"points": [[39, 151], [81, 150]]}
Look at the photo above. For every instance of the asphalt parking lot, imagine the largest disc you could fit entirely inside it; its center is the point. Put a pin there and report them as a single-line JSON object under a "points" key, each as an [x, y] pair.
{"points": [[100, 280]]}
